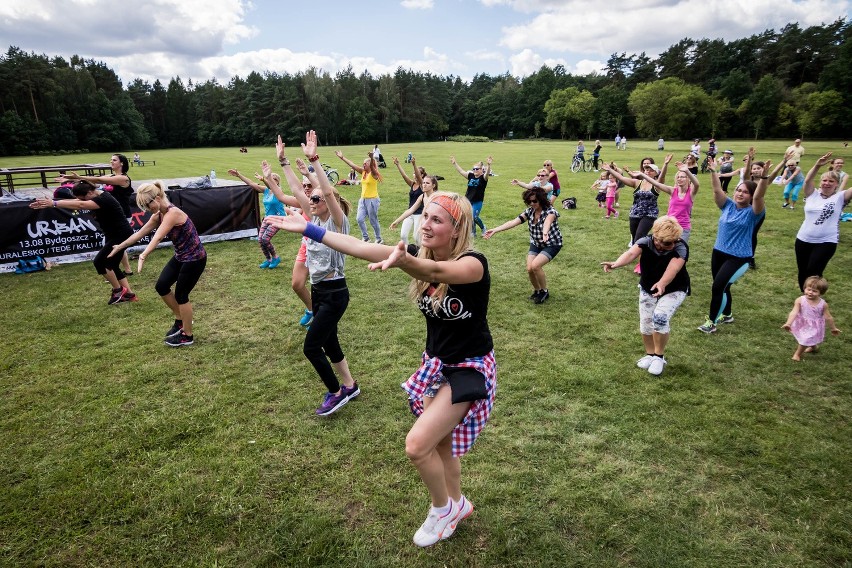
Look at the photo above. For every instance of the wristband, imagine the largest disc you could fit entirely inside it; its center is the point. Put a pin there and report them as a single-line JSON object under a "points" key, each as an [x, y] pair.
{"points": [[284, 162], [764, 177], [314, 232], [314, 158], [54, 203]]}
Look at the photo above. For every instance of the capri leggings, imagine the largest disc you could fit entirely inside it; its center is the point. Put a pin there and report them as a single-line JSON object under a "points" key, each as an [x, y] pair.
{"points": [[103, 262], [655, 314], [330, 299], [640, 226], [264, 239], [726, 270], [412, 221], [812, 258], [184, 275]]}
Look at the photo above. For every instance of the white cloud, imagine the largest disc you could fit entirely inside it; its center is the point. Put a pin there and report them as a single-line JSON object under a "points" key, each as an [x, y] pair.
{"points": [[587, 67], [652, 26], [528, 62], [418, 4]]}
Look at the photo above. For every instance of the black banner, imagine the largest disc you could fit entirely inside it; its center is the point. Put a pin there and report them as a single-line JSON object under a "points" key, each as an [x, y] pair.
{"points": [[64, 235]]}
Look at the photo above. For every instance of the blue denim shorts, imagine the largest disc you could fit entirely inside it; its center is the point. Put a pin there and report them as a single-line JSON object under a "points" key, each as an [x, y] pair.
{"points": [[549, 251]]}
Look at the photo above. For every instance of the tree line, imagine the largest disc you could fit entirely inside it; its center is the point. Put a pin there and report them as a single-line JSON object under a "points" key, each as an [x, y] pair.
{"points": [[790, 83]]}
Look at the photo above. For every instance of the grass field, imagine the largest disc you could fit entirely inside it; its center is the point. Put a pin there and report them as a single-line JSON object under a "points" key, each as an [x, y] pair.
{"points": [[118, 451]]}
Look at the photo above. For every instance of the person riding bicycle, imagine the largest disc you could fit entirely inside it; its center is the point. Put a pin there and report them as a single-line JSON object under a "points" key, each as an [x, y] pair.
{"points": [[711, 149], [581, 150]]}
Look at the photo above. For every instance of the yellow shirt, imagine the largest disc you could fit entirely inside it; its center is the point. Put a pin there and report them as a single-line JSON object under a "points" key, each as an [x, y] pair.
{"points": [[369, 186]]}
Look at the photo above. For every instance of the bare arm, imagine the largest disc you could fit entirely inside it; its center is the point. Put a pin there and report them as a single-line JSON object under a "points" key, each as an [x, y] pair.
{"points": [[310, 150], [692, 179], [510, 224], [632, 182], [75, 204], [417, 177], [458, 167], [758, 200], [665, 168], [626, 257], [812, 173], [793, 313], [149, 226], [829, 321], [349, 162], [407, 179], [252, 184], [672, 269], [488, 161], [119, 180], [662, 187], [719, 196], [407, 213]]}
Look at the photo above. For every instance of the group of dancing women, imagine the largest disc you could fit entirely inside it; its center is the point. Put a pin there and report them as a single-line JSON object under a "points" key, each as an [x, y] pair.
{"points": [[452, 392]]}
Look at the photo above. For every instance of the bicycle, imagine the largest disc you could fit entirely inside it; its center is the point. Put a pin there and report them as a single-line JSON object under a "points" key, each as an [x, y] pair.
{"points": [[581, 163], [330, 173]]}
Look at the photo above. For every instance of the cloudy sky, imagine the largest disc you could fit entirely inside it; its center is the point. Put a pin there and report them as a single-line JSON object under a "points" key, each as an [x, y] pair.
{"points": [[203, 39]]}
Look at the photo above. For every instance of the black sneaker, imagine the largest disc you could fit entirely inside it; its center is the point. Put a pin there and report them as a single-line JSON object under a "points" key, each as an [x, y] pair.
{"points": [[116, 296], [542, 296], [179, 340], [534, 295], [174, 330]]}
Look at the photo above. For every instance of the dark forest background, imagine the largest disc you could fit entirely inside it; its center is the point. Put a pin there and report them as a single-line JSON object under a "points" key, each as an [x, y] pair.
{"points": [[788, 83]]}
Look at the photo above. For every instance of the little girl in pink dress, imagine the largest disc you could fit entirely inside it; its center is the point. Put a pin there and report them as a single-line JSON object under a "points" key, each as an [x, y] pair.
{"points": [[808, 317]]}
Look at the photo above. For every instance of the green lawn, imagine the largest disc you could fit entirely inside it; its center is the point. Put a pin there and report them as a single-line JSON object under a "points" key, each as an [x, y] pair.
{"points": [[118, 451]]}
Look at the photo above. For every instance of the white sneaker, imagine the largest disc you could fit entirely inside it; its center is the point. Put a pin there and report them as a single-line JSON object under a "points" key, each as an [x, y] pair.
{"points": [[436, 526], [645, 361], [657, 365], [464, 512]]}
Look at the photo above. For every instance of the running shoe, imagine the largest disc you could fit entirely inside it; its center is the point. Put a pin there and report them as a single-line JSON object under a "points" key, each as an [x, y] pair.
{"points": [[657, 365], [175, 329], [116, 296], [645, 361], [465, 510], [542, 296], [307, 318], [180, 340], [707, 327], [727, 319], [265, 264], [331, 403], [275, 262], [436, 526], [129, 297], [351, 392]]}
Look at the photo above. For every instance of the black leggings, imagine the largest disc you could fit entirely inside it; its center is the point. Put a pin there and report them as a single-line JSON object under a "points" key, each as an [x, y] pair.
{"points": [[726, 270], [330, 299], [184, 275], [640, 227], [754, 238], [812, 258], [103, 262]]}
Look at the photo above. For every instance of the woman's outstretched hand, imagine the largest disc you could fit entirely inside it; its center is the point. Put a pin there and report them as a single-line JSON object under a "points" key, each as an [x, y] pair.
{"points": [[290, 223], [396, 258]]}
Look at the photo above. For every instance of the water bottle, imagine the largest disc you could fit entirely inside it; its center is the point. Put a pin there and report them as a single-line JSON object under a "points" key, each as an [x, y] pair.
{"points": [[213, 177]]}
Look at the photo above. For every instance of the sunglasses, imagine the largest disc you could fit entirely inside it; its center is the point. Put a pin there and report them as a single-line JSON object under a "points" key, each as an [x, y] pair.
{"points": [[542, 175], [475, 169], [665, 243], [315, 199], [150, 202]]}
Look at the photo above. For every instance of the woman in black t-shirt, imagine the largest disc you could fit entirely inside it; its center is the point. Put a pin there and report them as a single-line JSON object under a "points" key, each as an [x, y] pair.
{"points": [[114, 226], [452, 392], [118, 183], [663, 286]]}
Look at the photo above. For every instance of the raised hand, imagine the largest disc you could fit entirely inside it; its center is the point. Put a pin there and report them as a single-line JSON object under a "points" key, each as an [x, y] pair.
{"points": [[668, 158], [279, 148], [452, 159], [302, 167], [824, 159], [310, 145], [233, 172], [266, 168], [395, 160]]}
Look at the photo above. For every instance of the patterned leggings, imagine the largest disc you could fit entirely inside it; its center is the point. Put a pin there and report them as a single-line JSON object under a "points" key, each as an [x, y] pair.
{"points": [[264, 239]]}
